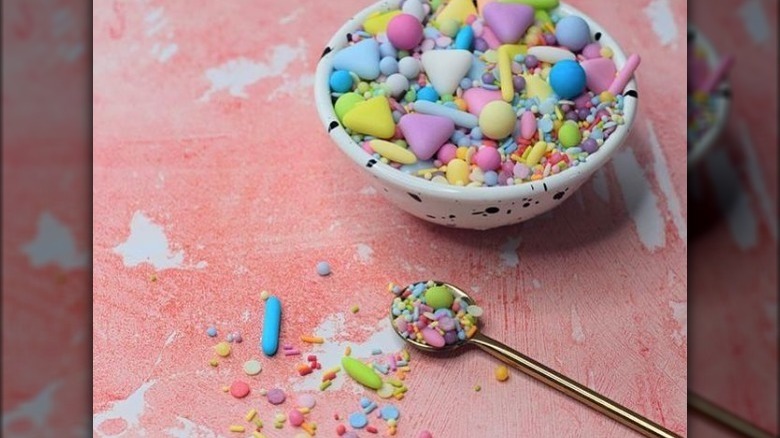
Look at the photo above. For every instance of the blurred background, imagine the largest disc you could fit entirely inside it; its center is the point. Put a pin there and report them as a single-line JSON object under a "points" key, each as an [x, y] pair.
{"points": [[46, 221], [732, 213]]}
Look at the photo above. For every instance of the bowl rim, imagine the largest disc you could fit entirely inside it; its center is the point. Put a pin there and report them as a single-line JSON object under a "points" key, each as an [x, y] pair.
{"points": [[410, 183], [722, 104]]}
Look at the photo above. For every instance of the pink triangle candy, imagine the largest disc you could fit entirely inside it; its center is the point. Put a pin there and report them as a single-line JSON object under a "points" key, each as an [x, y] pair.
{"points": [[508, 21], [425, 134], [476, 98], [599, 73]]}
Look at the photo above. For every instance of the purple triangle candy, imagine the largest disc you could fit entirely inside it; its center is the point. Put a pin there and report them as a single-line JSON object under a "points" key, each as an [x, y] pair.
{"points": [[425, 134], [508, 21]]}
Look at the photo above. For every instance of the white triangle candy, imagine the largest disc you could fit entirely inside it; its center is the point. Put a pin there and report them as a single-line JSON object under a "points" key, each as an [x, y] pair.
{"points": [[446, 68]]}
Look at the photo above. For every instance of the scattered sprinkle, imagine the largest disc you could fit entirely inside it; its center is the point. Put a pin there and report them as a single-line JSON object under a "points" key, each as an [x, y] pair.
{"points": [[253, 367], [354, 309], [323, 269], [312, 339], [264, 295], [358, 420], [250, 415], [502, 373], [237, 428], [211, 331], [239, 389], [477, 388], [276, 396], [222, 349]]}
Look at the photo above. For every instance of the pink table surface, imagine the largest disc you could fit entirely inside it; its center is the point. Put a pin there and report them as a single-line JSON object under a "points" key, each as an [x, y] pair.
{"points": [[213, 175]]}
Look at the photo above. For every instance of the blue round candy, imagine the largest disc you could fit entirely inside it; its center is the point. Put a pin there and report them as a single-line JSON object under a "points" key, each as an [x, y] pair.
{"points": [[567, 79], [340, 81], [428, 93], [388, 65], [358, 420], [389, 412], [572, 32]]}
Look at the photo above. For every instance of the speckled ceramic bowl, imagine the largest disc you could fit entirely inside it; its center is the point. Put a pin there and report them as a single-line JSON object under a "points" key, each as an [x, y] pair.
{"points": [[697, 150], [467, 207]]}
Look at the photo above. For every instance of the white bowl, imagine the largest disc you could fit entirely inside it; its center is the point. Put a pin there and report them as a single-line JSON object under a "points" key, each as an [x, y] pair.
{"points": [[467, 207], [703, 144]]}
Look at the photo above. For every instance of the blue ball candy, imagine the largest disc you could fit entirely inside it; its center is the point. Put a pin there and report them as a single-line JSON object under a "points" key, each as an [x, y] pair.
{"points": [[572, 32], [340, 81], [567, 79], [388, 65], [428, 93]]}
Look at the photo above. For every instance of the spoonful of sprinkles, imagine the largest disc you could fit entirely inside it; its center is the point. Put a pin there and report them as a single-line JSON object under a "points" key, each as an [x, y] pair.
{"points": [[439, 317]]}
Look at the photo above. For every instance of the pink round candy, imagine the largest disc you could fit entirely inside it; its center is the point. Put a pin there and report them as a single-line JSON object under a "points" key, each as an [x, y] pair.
{"points": [[296, 417], [425, 434], [591, 51], [447, 153], [488, 158], [404, 31], [521, 171]]}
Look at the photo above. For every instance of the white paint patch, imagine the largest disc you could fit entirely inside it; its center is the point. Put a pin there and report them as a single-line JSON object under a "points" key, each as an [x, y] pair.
{"points": [[289, 18], [235, 75], [509, 252], [147, 243], [732, 199], [164, 53], [35, 411], [245, 316], [188, 429], [364, 253], [368, 190], [600, 185], [168, 341], [577, 334], [330, 353], [55, 245], [757, 181], [641, 202], [155, 20], [680, 315], [754, 19], [537, 284], [665, 182], [660, 14], [293, 86], [130, 409]]}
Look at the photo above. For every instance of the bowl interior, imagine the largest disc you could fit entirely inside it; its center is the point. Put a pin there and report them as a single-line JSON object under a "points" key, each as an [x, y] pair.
{"points": [[390, 175], [703, 144]]}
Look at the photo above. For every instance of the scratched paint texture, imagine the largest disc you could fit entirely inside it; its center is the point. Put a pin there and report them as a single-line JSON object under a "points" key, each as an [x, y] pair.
{"points": [[212, 174], [733, 258]]}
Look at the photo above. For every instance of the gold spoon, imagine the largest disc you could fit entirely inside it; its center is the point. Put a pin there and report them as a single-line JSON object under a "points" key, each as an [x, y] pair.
{"points": [[546, 375]]}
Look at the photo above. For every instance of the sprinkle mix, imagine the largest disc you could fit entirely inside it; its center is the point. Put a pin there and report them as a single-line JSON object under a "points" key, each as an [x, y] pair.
{"points": [[430, 314], [491, 97]]}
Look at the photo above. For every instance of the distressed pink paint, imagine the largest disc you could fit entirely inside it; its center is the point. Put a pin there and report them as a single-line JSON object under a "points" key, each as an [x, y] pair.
{"points": [[252, 186]]}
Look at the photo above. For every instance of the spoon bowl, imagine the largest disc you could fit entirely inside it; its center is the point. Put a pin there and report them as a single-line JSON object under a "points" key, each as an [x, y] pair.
{"points": [[530, 367]]}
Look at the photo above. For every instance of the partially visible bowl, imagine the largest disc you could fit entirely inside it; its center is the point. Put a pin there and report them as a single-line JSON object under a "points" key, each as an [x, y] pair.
{"points": [[721, 101], [467, 207]]}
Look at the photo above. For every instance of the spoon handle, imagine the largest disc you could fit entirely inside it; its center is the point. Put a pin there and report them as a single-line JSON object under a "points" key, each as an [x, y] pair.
{"points": [[571, 388]]}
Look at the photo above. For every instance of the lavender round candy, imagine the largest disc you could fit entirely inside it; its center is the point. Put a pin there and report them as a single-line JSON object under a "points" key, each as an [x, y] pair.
{"points": [[480, 45], [589, 145], [550, 39], [450, 337], [519, 83], [531, 61], [571, 115], [276, 396], [572, 32], [583, 113], [488, 78]]}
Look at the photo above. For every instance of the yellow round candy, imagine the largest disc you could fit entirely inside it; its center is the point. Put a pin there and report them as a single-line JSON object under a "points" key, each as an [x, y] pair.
{"points": [[461, 152], [605, 52], [502, 373], [222, 349], [606, 96], [457, 172], [497, 120]]}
